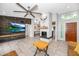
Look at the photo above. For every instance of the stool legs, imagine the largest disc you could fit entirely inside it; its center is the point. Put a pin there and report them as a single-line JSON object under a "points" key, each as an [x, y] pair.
{"points": [[44, 50], [36, 52]]}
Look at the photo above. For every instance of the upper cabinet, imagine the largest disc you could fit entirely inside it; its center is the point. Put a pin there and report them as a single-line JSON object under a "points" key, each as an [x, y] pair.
{"points": [[15, 19]]}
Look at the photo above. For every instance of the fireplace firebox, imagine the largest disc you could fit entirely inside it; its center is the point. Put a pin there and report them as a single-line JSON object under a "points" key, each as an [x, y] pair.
{"points": [[44, 34]]}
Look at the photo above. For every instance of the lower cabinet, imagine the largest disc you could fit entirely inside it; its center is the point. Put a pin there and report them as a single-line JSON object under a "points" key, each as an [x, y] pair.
{"points": [[10, 37]]}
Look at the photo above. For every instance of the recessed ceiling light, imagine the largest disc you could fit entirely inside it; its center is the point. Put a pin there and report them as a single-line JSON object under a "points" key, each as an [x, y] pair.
{"points": [[74, 15], [68, 6]]}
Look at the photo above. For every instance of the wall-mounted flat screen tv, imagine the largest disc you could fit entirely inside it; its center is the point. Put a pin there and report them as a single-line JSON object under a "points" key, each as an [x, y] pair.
{"points": [[16, 27]]}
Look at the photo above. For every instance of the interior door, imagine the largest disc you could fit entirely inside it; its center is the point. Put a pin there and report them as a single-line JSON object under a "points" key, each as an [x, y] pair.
{"points": [[71, 31]]}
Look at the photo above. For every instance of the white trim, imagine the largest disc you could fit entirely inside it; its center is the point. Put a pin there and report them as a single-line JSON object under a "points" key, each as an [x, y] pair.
{"points": [[77, 31]]}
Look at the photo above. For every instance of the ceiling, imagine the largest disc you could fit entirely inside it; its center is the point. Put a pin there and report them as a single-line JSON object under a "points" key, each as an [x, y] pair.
{"points": [[42, 7]]}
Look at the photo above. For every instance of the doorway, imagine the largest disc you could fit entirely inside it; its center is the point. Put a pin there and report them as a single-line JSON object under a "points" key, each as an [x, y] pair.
{"points": [[71, 31]]}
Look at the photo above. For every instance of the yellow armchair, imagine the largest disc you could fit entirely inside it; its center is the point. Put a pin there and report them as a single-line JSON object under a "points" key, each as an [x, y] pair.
{"points": [[77, 48]]}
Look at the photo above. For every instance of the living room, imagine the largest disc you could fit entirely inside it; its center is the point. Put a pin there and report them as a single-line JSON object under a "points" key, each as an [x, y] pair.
{"points": [[24, 23]]}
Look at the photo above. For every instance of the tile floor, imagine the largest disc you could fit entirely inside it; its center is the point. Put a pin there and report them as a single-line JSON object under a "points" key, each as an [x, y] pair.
{"points": [[24, 47]]}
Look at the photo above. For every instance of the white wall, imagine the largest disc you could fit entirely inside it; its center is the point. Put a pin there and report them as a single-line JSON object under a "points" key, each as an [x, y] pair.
{"points": [[64, 28], [70, 18], [26, 33], [31, 28], [55, 19], [48, 23], [77, 31]]}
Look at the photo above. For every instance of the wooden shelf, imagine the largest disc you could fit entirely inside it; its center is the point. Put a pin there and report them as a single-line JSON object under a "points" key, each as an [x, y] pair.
{"points": [[43, 27], [10, 35], [13, 36]]}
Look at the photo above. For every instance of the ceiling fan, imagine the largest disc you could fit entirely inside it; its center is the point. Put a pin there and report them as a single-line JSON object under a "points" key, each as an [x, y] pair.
{"points": [[28, 11]]}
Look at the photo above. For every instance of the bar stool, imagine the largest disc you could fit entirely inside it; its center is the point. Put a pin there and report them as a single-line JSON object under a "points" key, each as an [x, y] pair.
{"points": [[41, 46]]}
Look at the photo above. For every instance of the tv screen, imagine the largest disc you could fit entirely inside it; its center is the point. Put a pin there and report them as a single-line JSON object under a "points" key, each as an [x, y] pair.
{"points": [[16, 27]]}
